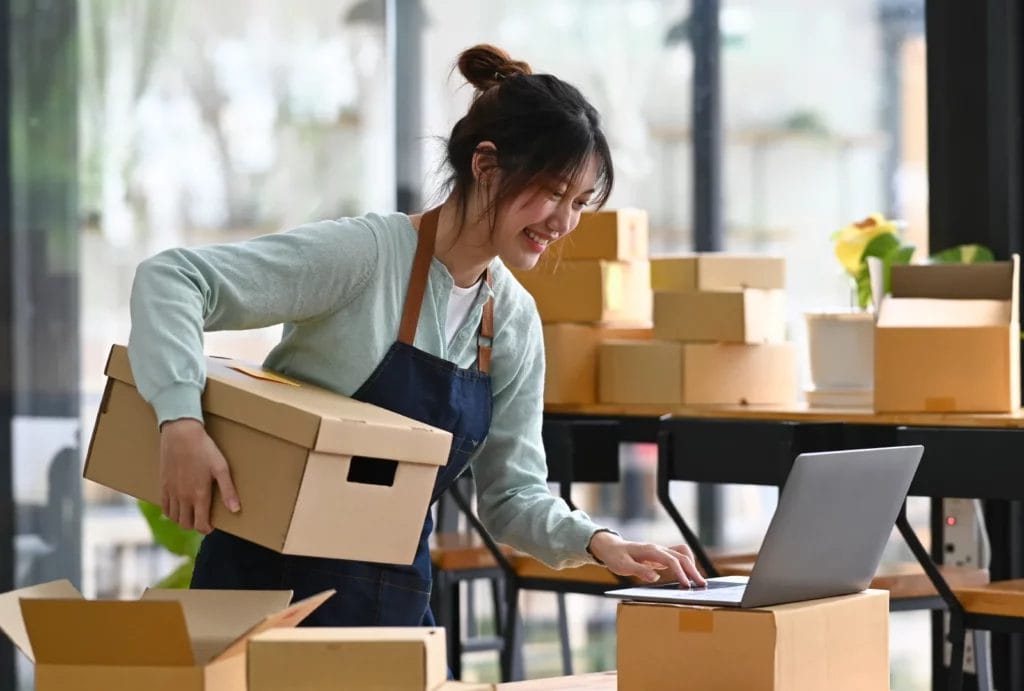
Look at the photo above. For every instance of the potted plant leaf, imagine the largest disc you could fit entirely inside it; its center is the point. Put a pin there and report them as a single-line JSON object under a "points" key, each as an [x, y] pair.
{"points": [[176, 540]]}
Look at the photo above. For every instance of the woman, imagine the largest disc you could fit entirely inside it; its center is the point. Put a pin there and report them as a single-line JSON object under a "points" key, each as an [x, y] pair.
{"points": [[526, 159]]}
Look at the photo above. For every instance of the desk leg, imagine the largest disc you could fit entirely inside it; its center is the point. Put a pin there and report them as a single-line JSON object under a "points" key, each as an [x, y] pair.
{"points": [[1004, 522], [664, 463]]}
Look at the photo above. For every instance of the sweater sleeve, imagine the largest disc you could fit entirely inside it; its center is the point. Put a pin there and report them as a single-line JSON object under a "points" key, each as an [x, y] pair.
{"points": [[285, 277], [510, 469]]}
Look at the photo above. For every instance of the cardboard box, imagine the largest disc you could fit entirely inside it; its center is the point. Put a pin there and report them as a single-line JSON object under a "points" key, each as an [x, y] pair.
{"points": [[318, 474], [571, 354], [364, 658], [716, 271], [948, 339], [674, 373], [591, 291], [741, 316], [620, 234], [169, 640], [839, 644]]}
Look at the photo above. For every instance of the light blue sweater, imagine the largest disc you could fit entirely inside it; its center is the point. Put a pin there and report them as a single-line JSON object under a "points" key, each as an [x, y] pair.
{"points": [[339, 287]]}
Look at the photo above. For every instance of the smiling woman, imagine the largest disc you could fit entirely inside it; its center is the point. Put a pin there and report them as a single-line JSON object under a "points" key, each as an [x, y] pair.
{"points": [[454, 341]]}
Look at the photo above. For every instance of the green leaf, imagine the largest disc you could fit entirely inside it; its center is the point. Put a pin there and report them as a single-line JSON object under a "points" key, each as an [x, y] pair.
{"points": [[169, 534], [180, 578], [881, 246], [963, 254]]}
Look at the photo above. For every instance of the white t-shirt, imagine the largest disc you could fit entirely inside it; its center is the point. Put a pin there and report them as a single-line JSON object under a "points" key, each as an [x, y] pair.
{"points": [[459, 303]]}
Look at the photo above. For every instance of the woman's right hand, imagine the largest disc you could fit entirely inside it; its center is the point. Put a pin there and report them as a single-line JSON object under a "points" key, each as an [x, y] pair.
{"points": [[189, 463]]}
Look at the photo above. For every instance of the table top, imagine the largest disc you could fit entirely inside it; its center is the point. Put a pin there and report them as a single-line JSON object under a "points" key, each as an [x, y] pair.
{"points": [[798, 412], [597, 681]]}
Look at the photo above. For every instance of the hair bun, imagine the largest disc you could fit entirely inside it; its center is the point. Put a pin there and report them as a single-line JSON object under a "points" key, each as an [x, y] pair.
{"points": [[485, 66]]}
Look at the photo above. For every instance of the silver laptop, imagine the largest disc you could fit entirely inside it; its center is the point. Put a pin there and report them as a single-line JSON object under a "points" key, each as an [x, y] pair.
{"points": [[826, 538]]}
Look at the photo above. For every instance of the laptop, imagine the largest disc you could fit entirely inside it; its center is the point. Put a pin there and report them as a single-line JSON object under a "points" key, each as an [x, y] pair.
{"points": [[834, 517]]}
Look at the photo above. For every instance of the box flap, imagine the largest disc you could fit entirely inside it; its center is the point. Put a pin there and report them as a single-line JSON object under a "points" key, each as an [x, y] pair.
{"points": [[306, 414], [985, 281], [284, 619], [11, 621], [84, 632], [216, 618], [925, 312]]}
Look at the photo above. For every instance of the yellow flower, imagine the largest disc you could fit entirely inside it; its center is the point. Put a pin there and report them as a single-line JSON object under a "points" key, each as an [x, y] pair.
{"points": [[852, 240]]}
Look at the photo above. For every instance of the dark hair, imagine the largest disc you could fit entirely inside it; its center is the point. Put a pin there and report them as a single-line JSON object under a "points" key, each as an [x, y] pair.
{"points": [[543, 128]]}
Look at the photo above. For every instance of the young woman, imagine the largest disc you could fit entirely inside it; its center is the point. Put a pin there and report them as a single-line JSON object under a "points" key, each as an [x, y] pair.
{"points": [[418, 314]]}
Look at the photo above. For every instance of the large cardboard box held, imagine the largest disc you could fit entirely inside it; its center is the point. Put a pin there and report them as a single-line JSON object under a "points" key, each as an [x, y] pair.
{"points": [[620, 234], [571, 357], [697, 373], [740, 316], [839, 644], [318, 474], [716, 271], [590, 291], [169, 640], [948, 339], [363, 658]]}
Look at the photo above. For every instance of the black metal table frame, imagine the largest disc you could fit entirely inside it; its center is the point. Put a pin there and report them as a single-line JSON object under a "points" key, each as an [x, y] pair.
{"points": [[972, 462]]}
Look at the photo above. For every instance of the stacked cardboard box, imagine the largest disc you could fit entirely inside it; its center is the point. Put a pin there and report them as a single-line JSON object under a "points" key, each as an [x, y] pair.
{"points": [[591, 287], [719, 330]]}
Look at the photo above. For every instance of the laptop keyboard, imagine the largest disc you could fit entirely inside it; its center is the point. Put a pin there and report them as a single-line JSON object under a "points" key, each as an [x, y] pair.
{"points": [[712, 585]]}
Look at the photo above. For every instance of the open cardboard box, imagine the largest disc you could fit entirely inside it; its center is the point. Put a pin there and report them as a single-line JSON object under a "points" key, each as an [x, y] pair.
{"points": [[169, 640], [364, 658], [839, 644], [948, 339], [318, 474]]}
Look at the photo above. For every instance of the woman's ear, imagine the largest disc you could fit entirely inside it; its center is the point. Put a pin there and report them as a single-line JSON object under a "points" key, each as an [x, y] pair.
{"points": [[485, 162]]}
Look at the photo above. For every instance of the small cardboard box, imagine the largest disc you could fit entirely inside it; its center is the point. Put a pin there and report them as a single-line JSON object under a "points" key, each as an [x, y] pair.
{"points": [[318, 474], [571, 356], [948, 339], [591, 291], [620, 234], [716, 271], [740, 316], [839, 644], [364, 658], [667, 372], [169, 640]]}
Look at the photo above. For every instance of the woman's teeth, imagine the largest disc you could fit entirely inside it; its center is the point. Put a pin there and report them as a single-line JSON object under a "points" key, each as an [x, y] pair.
{"points": [[536, 238]]}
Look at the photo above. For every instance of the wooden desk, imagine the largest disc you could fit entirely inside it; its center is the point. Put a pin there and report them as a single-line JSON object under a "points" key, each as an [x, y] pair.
{"points": [[796, 413], [599, 681], [966, 455]]}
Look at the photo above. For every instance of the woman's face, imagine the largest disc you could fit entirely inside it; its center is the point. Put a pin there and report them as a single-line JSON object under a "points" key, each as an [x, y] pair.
{"points": [[539, 216]]}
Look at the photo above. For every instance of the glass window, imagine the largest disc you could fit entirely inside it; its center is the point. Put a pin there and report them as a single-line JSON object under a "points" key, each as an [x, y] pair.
{"points": [[210, 122]]}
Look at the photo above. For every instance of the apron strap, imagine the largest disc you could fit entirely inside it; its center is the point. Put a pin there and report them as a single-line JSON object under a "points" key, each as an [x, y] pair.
{"points": [[418, 276], [486, 337], [418, 286]]}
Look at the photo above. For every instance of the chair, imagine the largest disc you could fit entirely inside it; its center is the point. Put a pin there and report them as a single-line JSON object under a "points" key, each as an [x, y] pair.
{"points": [[996, 606]]}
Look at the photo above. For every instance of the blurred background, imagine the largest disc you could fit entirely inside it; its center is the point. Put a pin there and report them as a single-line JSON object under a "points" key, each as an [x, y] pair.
{"points": [[135, 126]]}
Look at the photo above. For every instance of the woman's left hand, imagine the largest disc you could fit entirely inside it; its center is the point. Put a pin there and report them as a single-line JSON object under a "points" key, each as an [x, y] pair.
{"points": [[644, 560]]}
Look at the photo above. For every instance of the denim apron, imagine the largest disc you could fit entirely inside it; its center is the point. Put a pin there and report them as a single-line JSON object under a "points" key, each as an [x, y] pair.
{"points": [[418, 385]]}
